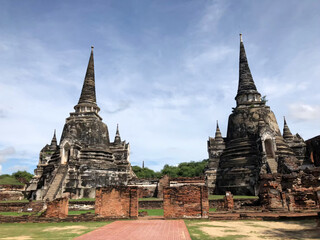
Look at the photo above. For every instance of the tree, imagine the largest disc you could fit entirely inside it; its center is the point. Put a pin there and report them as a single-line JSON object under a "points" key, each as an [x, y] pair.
{"points": [[145, 172], [22, 176]]}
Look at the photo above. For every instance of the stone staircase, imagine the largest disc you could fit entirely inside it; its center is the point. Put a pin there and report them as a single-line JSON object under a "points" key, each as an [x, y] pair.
{"points": [[56, 182], [273, 165]]}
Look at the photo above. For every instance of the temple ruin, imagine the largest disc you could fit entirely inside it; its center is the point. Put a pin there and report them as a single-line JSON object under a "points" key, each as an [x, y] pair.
{"points": [[253, 145], [85, 158]]}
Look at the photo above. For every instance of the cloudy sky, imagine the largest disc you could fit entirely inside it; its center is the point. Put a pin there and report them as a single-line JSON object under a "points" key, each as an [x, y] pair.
{"points": [[165, 70]]}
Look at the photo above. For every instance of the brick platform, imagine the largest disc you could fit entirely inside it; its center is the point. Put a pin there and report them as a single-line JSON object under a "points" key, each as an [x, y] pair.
{"points": [[140, 230]]}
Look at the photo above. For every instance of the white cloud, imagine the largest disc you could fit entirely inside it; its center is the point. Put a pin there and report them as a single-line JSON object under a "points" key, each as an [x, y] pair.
{"points": [[300, 111], [16, 168], [9, 151], [212, 15]]}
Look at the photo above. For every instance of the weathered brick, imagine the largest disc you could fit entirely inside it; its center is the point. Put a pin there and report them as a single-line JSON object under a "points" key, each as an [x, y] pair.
{"points": [[57, 208], [117, 202], [188, 201]]}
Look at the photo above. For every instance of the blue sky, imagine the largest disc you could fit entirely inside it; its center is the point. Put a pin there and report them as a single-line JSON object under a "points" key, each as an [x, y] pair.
{"points": [[165, 71]]}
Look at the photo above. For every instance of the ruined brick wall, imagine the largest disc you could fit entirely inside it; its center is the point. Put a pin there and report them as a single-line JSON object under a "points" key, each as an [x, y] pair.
{"points": [[163, 182], [293, 192], [188, 201], [228, 201], [313, 150], [270, 192], [147, 191], [57, 208], [11, 192], [117, 202]]}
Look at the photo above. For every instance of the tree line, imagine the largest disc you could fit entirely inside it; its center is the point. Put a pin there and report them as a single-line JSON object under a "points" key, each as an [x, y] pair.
{"points": [[184, 169]]}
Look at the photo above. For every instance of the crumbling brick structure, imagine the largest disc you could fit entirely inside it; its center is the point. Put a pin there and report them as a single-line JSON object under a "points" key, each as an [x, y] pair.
{"points": [[228, 201], [163, 182], [295, 191], [117, 202], [271, 195], [57, 208], [188, 201]]}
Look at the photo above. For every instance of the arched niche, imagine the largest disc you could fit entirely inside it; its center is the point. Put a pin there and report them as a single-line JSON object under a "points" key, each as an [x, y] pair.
{"points": [[269, 148], [65, 153]]}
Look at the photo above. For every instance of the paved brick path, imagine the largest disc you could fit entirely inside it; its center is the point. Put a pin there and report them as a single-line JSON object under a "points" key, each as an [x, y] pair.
{"points": [[140, 230]]}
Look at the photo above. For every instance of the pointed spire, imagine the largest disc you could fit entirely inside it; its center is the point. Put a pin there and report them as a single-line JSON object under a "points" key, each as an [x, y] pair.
{"points": [[218, 137], [117, 138], [88, 93], [54, 140], [287, 135], [218, 132], [246, 83]]}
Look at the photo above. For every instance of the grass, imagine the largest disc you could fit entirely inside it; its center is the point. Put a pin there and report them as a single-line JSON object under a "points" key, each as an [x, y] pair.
{"points": [[195, 232], [80, 212], [153, 212], [9, 180], [57, 231], [213, 197], [212, 209], [15, 201], [150, 199], [82, 199], [18, 213]]}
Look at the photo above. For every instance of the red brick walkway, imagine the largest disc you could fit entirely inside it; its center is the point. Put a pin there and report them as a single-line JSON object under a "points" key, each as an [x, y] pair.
{"points": [[140, 230]]}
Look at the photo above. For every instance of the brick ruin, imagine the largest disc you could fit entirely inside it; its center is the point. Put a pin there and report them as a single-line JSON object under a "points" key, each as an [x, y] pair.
{"points": [[57, 208], [187, 201], [117, 202], [11, 192], [85, 158], [228, 201], [290, 192]]}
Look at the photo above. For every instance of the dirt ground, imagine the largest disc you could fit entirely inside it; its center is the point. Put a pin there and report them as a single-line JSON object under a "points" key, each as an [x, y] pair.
{"points": [[72, 229], [266, 230]]}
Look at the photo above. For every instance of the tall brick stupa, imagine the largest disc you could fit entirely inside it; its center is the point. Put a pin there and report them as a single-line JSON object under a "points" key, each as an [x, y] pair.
{"points": [[253, 145], [85, 158]]}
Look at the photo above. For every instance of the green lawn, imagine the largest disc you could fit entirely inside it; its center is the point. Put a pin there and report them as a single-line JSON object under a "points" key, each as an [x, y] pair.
{"points": [[153, 212], [80, 212], [56, 231], [17, 213], [82, 199], [14, 201], [150, 199], [212, 197], [9, 180]]}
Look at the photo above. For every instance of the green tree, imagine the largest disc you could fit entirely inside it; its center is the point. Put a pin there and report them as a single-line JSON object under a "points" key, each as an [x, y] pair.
{"points": [[145, 172], [22, 176]]}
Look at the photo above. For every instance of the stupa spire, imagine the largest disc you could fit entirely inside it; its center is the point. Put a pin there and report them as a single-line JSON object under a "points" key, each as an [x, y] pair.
{"points": [[87, 100], [88, 93], [218, 132], [286, 131], [54, 140], [117, 138], [246, 84]]}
